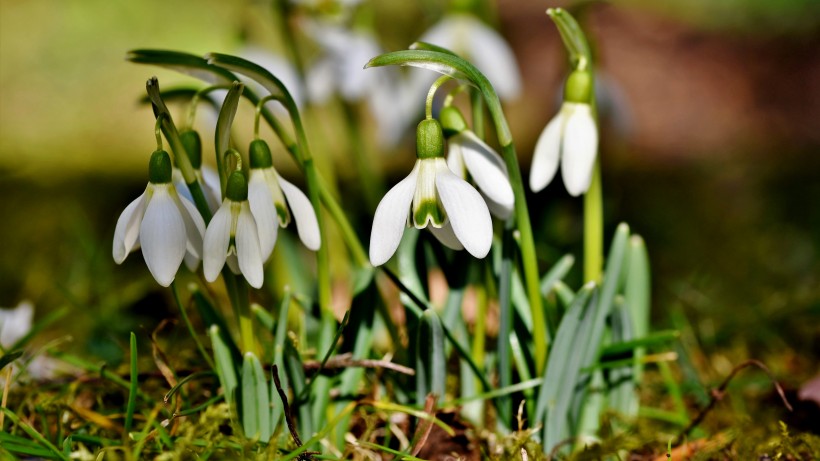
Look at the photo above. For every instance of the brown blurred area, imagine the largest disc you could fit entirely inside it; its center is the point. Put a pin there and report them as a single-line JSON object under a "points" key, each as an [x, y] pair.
{"points": [[689, 91]]}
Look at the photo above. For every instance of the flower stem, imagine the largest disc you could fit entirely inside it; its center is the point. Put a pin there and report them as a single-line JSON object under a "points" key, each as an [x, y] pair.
{"points": [[428, 105], [594, 228]]}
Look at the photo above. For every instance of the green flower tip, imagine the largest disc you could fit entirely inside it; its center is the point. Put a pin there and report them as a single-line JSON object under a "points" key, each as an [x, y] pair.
{"points": [[553, 12], [159, 167], [452, 122], [237, 188], [429, 139], [193, 146], [259, 153], [579, 86]]}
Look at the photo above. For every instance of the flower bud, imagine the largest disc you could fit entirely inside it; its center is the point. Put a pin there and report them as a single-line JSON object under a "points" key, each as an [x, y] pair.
{"points": [[193, 146], [237, 188], [159, 167], [452, 122], [578, 87], [429, 139], [259, 154]]}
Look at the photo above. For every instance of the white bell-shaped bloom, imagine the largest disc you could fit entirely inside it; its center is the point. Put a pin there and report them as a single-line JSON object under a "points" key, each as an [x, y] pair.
{"points": [[572, 137], [232, 236], [467, 153], [273, 199], [483, 46], [431, 197], [15, 323], [165, 225], [340, 70]]}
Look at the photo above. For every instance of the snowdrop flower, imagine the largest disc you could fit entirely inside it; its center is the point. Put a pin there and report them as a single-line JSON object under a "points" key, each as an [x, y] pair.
{"points": [[232, 236], [475, 41], [572, 136], [269, 195], [341, 70], [164, 224], [15, 323], [207, 177], [431, 197], [467, 153]]}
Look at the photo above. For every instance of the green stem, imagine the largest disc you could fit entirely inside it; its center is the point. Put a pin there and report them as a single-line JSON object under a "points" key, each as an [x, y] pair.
{"points": [[528, 259], [594, 228], [428, 105], [190, 327]]}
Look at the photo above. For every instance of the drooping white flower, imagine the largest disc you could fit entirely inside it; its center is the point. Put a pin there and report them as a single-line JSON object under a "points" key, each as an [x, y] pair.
{"points": [[164, 224], [467, 153], [15, 323], [270, 196], [431, 197], [232, 236], [572, 137], [467, 36], [340, 70]]}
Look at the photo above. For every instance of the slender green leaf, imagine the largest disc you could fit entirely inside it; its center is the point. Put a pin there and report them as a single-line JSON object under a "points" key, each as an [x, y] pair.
{"points": [[10, 357], [557, 272], [431, 364], [210, 317], [132, 392], [573, 37], [255, 399], [34, 434], [225, 368], [185, 63]]}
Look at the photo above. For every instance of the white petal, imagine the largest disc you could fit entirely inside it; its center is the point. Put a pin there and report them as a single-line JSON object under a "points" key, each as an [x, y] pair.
{"points": [[390, 219], [15, 323], [467, 212], [247, 247], [547, 151], [128, 228], [211, 187], [455, 161], [320, 81], [306, 223], [264, 212], [217, 239], [446, 236], [498, 210], [487, 169], [162, 236], [494, 58], [195, 231], [580, 147]]}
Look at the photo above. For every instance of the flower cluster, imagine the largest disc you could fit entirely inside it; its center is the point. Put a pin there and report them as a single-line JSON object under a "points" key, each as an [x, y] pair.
{"points": [[165, 223]]}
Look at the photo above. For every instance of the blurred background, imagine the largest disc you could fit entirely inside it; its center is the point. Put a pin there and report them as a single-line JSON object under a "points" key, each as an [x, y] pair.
{"points": [[710, 150]]}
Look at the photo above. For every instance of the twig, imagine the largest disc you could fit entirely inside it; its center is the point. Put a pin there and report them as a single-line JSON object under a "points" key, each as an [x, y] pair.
{"points": [[717, 395], [289, 416], [346, 361]]}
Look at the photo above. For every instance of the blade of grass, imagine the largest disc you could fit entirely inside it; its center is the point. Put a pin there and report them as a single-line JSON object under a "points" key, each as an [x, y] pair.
{"points": [[225, 368], [194, 336], [34, 434], [132, 391]]}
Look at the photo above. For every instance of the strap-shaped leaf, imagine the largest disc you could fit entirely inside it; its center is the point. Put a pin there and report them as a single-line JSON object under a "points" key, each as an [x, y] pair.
{"points": [[447, 63], [573, 37], [186, 63]]}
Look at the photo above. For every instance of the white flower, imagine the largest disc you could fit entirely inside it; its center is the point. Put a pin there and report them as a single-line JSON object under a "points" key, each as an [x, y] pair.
{"points": [[209, 181], [572, 136], [164, 224], [467, 153], [270, 195], [340, 69], [472, 39], [431, 197], [232, 235], [15, 323]]}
